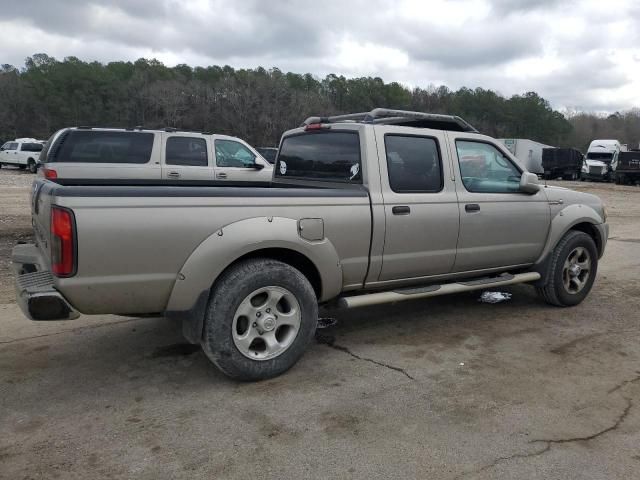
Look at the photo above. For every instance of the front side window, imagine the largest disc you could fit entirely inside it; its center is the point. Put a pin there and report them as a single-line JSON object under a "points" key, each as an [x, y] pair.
{"points": [[187, 151], [230, 153], [10, 146], [413, 164], [485, 169]]}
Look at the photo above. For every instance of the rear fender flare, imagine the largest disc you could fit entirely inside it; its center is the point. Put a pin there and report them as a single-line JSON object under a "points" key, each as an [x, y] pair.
{"points": [[235, 240]]}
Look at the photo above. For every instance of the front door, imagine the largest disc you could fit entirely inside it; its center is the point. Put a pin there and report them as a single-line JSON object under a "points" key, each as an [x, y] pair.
{"points": [[186, 157], [420, 204], [499, 225]]}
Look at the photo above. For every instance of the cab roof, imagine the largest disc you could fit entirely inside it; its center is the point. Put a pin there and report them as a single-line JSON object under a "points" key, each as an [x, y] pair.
{"points": [[405, 118]]}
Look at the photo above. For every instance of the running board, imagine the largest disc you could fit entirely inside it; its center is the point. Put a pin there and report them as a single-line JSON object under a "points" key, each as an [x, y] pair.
{"points": [[435, 290]]}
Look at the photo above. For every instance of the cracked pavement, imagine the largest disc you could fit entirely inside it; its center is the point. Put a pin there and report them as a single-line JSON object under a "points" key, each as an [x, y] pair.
{"points": [[447, 388]]}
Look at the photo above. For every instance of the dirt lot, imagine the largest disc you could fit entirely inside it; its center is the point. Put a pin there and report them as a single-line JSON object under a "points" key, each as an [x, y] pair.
{"points": [[446, 388]]}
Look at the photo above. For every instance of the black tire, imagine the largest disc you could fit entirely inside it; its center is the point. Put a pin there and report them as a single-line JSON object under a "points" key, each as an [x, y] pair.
{"points": [[33, 168], [230, 290], [554, 291]]}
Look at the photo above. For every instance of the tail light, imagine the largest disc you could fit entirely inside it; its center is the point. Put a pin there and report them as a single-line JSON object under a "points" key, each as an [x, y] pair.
{"points": [[63, 242], [50, 173]]}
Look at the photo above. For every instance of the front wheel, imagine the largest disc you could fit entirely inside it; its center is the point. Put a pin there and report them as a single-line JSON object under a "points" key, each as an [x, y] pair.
{"points": [[33, 168], [262, 316], [572, 270]]}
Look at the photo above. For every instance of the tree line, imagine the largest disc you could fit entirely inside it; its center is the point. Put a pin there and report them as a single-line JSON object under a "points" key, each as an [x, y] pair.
{"points": [[259, 104]]}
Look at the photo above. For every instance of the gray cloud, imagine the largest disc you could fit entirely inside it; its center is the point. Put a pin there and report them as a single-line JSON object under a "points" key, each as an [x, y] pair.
{"points": [[577, 53]]}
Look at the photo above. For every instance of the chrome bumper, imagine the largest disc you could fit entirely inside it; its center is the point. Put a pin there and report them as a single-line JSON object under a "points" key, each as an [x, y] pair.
{"points": [[37, 297]]}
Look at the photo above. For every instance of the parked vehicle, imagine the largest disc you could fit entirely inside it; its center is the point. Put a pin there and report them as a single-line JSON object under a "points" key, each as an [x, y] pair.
{"points": [[364, 209], [600, 161], [628, 168], [562, 162], [151, 154], [22, 153], [528, 153], [269, 153]]}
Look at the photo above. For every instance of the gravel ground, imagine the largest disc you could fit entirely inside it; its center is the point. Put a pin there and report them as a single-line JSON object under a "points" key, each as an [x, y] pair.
{"points": [[446, 388]]}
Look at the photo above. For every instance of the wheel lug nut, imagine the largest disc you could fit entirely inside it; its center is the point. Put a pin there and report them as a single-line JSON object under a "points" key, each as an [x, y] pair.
{"points": [[255, 324], [268, 310], [258, 314]]}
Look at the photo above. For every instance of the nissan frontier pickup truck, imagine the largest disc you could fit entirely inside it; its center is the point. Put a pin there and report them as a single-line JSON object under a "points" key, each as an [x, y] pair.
{"points": [[363, 209]]}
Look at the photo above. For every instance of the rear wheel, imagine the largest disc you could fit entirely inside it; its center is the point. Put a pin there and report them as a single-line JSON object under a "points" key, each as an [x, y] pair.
{"points": [[572, 270], [261, 317]]}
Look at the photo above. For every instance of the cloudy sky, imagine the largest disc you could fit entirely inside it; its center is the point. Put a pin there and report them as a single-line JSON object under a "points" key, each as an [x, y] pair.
{"points": [[578, 54]]}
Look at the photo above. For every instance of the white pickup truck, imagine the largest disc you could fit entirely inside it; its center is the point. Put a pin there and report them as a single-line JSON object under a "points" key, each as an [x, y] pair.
{"points": [[21, 152]]}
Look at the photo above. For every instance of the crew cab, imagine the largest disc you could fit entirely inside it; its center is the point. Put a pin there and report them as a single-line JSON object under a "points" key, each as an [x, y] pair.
{"points": [[22, 153], [364, 209], [108, 153]]}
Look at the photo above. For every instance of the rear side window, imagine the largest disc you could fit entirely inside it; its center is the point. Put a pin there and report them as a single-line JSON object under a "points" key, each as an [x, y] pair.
{"points": [[187, 151], [31, 147], [413, 164], [103, 147], [328, 156]]}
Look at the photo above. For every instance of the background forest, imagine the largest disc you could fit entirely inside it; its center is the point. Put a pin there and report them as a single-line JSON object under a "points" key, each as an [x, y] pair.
{"points": [[259, 104]]}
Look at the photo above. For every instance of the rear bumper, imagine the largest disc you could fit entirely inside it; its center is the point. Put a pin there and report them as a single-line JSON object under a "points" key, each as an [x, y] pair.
{"points": [[37, 297]]}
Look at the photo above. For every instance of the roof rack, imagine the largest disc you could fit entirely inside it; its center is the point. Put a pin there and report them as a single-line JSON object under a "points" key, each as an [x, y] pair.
{"points": [[385, 116]]}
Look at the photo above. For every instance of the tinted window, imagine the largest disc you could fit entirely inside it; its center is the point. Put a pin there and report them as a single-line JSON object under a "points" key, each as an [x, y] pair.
{"points": [[605, 156], [413, 164], [329, 156], [31, 147], [233, 154], [268, 153], [10, 146], [485, 169], [187, 151], [103, 147]]}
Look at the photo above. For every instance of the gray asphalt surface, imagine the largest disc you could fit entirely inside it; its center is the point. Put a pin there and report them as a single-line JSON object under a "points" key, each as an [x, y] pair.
{"points": [[447, 388]]}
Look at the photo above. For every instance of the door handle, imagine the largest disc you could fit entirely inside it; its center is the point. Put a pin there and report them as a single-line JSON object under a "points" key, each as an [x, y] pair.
{"points": [[401, 210], [173, 175], [221, 175], [472, 207]]}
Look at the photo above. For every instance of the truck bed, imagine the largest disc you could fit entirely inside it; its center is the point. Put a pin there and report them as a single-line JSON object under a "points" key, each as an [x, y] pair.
{"points": [[134, 237]]}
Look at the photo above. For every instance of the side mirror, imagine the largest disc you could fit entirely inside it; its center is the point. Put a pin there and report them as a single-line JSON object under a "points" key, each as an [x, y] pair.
{"points": [[529, 183], [257, 166]]}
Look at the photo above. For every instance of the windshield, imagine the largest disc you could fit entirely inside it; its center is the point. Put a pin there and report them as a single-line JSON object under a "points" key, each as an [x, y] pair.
{"points": [[603, 156]]}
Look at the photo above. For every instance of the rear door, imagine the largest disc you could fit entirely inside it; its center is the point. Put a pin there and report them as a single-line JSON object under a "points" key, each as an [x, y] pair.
{"points": [[237, 162], [186, 156], [499, 225], [420, 203]]}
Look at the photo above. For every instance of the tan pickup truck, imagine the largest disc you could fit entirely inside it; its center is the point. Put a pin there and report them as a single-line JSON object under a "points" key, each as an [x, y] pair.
{"points": [[363, 209]]}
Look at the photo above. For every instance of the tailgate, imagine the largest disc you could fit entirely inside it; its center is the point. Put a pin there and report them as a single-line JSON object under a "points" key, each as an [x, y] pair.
{"points": [[41, 201]]}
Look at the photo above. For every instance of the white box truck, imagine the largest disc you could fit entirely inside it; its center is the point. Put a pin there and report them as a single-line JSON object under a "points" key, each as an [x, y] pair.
{"points": [[528, 152]]}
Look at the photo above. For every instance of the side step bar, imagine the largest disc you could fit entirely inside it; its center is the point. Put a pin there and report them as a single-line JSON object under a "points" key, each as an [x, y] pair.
{"points": [[435, 290]]}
